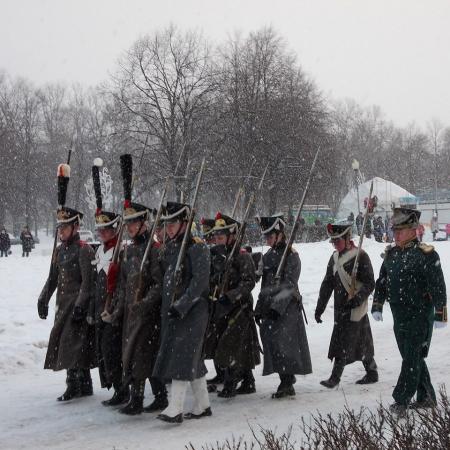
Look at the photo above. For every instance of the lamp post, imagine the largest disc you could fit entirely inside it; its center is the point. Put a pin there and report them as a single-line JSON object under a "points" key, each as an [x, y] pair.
{"points": [[355, 167]]}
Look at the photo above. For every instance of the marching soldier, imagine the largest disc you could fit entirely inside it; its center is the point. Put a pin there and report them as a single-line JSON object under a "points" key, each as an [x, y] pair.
{"points": [[279, 311], [411, 280], [352, 337], [232, 339], [108, 336], [184, 315], [71, 343], [140, 321]]}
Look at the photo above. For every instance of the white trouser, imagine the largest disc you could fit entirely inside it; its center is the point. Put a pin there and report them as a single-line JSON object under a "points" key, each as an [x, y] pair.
{"points": [[178, 394]]}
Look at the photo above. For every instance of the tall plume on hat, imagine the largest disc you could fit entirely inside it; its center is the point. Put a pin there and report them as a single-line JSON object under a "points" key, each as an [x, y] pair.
{"points": [[98, 162], [63, 175], [126, 167]]}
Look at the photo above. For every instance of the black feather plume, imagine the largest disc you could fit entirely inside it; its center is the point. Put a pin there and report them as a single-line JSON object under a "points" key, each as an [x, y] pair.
{"points": [[97, 188], [126, 166]]}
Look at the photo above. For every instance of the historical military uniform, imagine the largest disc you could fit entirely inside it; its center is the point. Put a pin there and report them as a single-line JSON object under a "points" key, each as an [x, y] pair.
{"points": [[140, 321], [351, 339], [279, 312], [232, 339], [71, 342], [108, 337], [206, 227], [411, 280], [184, 315]]}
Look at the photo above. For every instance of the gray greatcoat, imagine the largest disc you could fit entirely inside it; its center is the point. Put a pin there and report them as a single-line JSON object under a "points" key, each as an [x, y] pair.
{"points": [[141, 322], [232, 339], [350, 341], [108, 337], [71, 344], [284, 340], [180, 355]]}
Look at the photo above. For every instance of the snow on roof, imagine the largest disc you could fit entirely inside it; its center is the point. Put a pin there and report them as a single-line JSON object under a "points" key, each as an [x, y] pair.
{"points": [[386, 191]]}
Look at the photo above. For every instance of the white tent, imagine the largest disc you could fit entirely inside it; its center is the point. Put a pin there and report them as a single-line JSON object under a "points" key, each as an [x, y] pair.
{"points": [[386, 191]]}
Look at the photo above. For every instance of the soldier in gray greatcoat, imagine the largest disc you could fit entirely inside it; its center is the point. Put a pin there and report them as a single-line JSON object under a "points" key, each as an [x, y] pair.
{"points": [[184, 315], [351, 339], [71, 343], [232, 339], [108, 337], [140, 321], [279, 311]]}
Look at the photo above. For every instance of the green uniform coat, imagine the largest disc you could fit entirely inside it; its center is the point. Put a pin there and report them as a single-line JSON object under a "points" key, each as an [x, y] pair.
{"points": [[411, 280]]}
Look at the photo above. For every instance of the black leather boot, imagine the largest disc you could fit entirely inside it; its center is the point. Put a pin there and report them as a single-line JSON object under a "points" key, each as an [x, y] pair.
{"points": [[85, 382], [371, 375], [335, 376], [121, 395], [73, 386], [136, 404], [286, 387], [248, 384]]}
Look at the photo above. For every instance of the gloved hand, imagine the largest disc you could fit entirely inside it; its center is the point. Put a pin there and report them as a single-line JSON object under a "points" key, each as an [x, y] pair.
{"points": [[78, 314], [273, 315], [174, 313], [90, 320], [378, 316], [106, 317], [438, 324], [317, 317], [42, 310], [224, 300]]}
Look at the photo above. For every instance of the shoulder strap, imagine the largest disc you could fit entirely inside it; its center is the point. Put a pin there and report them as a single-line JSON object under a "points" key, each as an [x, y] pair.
{"points": [[339, 268]]}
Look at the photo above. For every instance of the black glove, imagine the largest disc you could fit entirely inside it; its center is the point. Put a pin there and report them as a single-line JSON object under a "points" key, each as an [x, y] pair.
{"points": [[174, 313], [317, 317], [78, 314], [224, 300], [273, 315], [42, 310]]}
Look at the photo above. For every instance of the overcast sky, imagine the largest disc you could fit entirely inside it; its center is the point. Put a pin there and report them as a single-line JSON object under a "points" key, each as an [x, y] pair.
{"points": [[393, 53]]}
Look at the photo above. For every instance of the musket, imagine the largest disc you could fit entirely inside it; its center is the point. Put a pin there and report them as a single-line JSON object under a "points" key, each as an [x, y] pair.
{"points": [[291, 239], [239, 239], [140, 286], [361, 239], [182, 253], [241, 190]]}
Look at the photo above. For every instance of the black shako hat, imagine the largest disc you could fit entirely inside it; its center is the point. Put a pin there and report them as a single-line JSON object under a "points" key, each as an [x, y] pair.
{"points": [[175, 212], [405, 218], [64, 215], [225, 224], [106, 219], [271, 224], [134, 211], [206, 226], [339, 230]]}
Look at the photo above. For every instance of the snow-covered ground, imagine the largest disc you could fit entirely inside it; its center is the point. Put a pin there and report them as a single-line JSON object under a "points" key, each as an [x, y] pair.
{"points": [[30, 417]]}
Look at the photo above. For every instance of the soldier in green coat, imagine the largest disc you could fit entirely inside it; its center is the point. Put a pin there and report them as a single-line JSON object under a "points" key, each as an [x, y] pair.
{"points": [[411, 280]]}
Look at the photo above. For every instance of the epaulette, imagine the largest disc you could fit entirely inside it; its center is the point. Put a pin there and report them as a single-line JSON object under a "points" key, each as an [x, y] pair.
{"points": [[426, 248], [386, 251], [198, 240]]}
